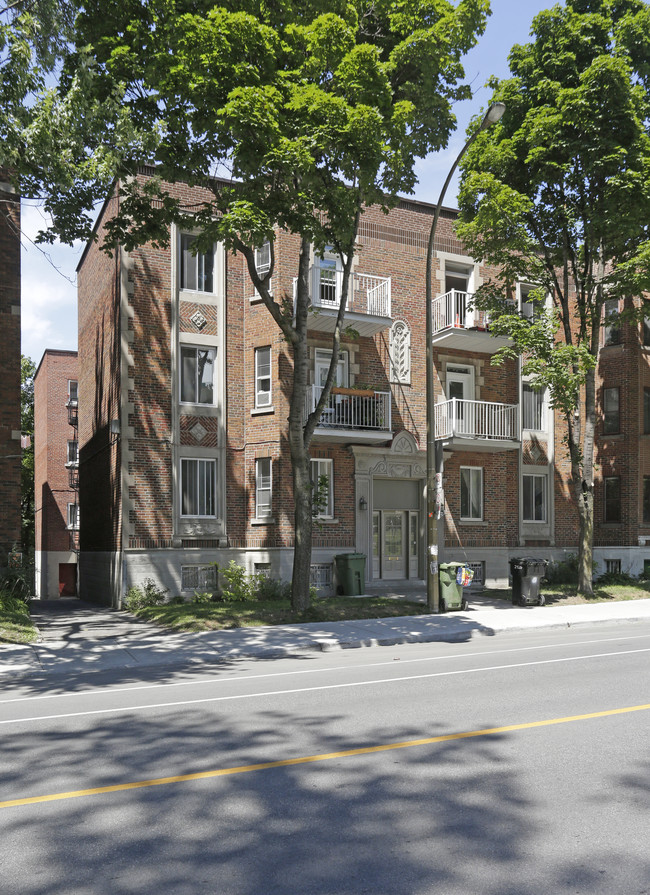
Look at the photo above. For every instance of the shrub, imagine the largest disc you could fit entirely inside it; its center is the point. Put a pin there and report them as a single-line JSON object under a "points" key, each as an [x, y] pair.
{"points": [[565, 572], [148, 594], [238, 586], [271, 588], [201, 597], [616, 578]]}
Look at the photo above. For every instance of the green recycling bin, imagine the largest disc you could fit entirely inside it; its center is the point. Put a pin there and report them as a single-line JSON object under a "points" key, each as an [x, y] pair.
{"points": [[451, 593], [351, 573]]}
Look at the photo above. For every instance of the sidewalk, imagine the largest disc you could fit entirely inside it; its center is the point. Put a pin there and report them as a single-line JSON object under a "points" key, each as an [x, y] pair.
{"points": [[79, 637]]}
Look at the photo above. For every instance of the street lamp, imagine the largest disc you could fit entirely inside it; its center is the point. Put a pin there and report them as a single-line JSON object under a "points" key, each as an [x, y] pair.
{"points": [[434, 453]]}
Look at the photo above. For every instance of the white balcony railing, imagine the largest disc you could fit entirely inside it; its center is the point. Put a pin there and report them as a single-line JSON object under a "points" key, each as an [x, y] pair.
{"points": [[351, 411], [367, 294], [455, 308], [477, 419]]}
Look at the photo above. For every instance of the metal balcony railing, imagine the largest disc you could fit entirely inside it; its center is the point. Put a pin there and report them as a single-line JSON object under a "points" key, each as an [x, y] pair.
{"points": [[352, 411], [455, 309], [73, 413], [73, 475], [367, 294], [477, 419]]}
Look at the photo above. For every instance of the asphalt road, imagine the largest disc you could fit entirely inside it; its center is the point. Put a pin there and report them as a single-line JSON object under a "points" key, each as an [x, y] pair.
{"points": [[518, 765]]}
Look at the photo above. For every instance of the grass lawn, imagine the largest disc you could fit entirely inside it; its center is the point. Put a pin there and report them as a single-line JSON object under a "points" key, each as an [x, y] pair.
{"points": [[566, 594], [15, 621], [215, 616]]}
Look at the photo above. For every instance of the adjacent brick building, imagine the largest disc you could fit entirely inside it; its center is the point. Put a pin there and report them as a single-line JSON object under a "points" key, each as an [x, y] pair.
{"points": [[10, 449], [56, 468], [183, 395]]}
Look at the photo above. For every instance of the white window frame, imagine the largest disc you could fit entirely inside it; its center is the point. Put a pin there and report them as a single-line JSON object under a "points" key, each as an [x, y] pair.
{"points": [[533, 476], [612, 330], [324, 466], [528, 309], [73, 516], [263, 259], [202, 578], [540, 398], [263, 396], [475, 473], [184, 348], [263, 488], [209, 495], [198, 261], [72, 455], [73, 391]]}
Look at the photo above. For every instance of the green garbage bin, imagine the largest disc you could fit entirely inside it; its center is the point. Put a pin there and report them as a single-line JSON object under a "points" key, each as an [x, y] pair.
{"points": [[451, 593], [351, 573]]}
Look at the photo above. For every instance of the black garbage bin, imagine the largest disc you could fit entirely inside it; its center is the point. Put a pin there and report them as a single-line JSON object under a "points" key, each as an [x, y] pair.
{"points": [[527, 573]]}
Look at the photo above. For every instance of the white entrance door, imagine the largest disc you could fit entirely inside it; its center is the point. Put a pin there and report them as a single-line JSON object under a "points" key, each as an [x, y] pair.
{"points": [[393, 544], [460, 385], [414, 542]]}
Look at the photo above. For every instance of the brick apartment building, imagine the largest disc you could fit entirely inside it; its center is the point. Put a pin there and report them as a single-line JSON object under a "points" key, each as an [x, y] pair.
{"points": [[183, 402], [56, 475], [10, 449]]}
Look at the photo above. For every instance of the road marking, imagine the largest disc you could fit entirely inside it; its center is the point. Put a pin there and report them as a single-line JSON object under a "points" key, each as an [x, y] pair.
{"points": [[204, 681], [309, 759], [322, 687]]}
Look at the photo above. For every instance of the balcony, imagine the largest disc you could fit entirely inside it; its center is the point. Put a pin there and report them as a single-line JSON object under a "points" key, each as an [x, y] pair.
{"points": [[352, 415], [457, 324], [73, 413], [73, 475], [368, 307], [480, 426]]}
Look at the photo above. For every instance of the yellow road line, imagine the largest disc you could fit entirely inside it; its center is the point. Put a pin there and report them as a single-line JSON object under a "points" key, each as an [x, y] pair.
{"points": [[307, 759]]}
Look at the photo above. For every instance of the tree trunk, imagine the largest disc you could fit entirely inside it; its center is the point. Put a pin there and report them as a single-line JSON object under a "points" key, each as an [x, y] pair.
{"points": [[584, 490], [303, 522]]}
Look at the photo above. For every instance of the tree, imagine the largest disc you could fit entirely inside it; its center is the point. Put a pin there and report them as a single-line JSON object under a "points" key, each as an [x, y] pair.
{"points": [[311, 109], [27, 372], [558, 196]]}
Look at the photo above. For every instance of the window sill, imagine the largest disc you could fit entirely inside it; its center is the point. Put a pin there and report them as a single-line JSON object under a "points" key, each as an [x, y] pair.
{"points": [[261, 411], [325, 520], [267, 520], [473, 522]]}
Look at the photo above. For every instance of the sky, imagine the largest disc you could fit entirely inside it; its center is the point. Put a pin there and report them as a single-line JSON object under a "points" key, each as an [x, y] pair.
{"points": [[49, 292]]}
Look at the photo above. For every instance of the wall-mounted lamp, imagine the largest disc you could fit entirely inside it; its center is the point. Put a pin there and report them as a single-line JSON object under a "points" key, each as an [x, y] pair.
{"points": [[363, 503]]}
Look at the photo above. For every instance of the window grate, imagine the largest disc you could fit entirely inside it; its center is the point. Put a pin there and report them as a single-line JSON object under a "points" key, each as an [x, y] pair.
{"points": [[320, 575], [202, 578], [479, 573]]}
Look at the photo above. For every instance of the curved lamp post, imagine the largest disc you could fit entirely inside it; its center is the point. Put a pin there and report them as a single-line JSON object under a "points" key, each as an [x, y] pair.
{"points": [[434, 456]]}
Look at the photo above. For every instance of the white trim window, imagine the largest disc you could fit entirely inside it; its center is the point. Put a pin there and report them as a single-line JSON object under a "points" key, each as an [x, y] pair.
{"points": [[73, 389], [324, 468], [534, 488], [533, 402], [611, 323], [400, 353], [263, 259], [471, 493], [197, 270], [73, 516], [73, 453], [263, 487], [531, 307], [198, 487], [263, 377], [197, 375]]}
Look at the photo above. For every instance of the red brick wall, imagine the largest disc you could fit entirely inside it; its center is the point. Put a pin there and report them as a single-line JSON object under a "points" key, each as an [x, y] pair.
{"points": [[51, 435]]}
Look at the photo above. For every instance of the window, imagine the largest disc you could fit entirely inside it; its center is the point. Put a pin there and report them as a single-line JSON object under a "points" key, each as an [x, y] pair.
{"points": [[322, 479], [646, 330], [72, 391], [471, 492], [263, 377], [534, 497], [201, 578], [196, 269], [611, 411], [400, 353], [533, 408], [262, 569], [329, 292], [198, 479], [263, 259], [73, 452], [263, 487], [613, 499], [479, 573], [611, 323], [646, 499], [531, 306], [646, 410], [320, 575], [73, 515], [613, 566], [197, 375]]}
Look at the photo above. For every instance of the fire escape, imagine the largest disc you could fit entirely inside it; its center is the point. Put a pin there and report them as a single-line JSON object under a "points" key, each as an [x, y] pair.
{"points": [[73, 473]]}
